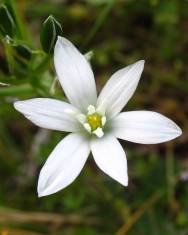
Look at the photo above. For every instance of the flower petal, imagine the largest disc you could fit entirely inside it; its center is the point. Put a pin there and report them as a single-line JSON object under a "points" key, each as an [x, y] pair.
{"points": [[49, 113], [119, 89], [75, 74], [63, 165], [144, 127], [110, 158]]}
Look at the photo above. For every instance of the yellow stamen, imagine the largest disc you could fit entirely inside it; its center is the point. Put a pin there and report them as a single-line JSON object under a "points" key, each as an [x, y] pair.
{"points": [[94, 120]]}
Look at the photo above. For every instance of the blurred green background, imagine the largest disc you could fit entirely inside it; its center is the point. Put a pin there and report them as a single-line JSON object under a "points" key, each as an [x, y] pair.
{"points": [[119, 33]]}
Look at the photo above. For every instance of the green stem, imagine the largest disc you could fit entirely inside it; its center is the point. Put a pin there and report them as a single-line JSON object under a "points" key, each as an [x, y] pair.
{"points": [[9, 58], [99, 22], [44, 64]]}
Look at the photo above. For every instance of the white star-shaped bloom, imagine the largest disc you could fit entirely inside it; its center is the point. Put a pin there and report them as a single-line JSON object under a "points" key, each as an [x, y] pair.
{"points": [[95, 123]]}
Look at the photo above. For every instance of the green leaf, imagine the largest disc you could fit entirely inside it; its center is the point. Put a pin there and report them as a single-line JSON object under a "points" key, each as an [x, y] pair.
{"points": [[51, 29], [7, 24], [12, 6], [17, 90]]}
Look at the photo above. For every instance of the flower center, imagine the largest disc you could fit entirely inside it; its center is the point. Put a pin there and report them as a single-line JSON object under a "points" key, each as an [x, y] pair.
{"points": [[93, 122]]}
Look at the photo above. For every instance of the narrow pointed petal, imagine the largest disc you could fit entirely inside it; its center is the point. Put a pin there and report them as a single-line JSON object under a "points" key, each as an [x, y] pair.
{"points": [[63, 165], [119, 89], [144, 127], [49, 113], [110, 158], [75, 74]]}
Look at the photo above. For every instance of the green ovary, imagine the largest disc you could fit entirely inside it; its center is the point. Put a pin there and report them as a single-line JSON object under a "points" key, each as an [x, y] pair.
{"points": [[94, 121]]}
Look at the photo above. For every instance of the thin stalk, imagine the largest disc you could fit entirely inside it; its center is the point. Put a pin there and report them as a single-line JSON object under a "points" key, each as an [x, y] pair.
{"points": [[99, 22], [138, 213]]}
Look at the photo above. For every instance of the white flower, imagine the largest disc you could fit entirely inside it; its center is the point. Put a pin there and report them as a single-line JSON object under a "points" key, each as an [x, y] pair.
{"points": [[96, 123]]}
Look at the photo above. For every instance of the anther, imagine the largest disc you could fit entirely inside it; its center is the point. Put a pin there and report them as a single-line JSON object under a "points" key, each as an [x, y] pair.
{"points": [[103, 120], [87, 127], [99, 132]]}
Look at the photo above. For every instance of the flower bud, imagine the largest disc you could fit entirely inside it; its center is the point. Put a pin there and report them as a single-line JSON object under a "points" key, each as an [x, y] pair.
{"points": [[23, 51], [51, 29]]}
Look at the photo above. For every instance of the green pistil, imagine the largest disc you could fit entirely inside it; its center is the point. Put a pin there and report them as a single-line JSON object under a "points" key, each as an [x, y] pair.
{"points": [[94, 121]]}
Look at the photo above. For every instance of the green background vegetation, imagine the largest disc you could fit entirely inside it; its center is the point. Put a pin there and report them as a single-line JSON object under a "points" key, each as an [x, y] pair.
{"points": [[119, 33]]}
